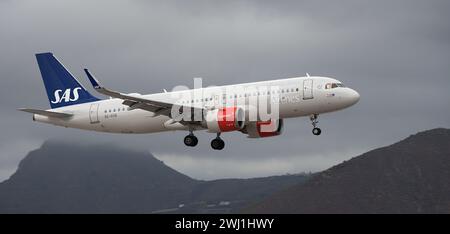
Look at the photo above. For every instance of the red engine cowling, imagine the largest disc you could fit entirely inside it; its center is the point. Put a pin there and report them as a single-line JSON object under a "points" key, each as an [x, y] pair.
{"points": [[225, 119], [263, 128]]}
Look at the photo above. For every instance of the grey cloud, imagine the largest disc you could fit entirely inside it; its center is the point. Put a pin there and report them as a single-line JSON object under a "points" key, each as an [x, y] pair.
{"points": [[395, 53]]}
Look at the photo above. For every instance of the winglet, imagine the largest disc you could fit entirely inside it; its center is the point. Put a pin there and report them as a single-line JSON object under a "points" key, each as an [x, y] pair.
{"points": [[92, 79], [100, 88]]}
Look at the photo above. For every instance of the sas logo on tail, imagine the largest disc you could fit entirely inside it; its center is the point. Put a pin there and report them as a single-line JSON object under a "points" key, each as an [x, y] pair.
{"points": [[66, 95]]}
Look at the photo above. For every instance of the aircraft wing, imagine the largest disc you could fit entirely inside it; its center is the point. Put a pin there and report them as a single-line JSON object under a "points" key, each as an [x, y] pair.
{"points": [[53, 114], [135, 102]]}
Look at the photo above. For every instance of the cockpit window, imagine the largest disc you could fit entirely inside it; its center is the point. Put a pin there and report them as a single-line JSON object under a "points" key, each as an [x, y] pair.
{"points": [[333, 85]]}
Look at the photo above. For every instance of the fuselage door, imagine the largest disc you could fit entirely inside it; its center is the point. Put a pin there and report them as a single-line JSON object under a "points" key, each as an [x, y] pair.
{"points": [[93, 113], [224, 99], [216, 100], [308, 89]]}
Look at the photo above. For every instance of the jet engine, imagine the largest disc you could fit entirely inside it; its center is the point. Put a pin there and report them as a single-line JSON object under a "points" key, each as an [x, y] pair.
{"points": [[225, 119], [260, 129]]}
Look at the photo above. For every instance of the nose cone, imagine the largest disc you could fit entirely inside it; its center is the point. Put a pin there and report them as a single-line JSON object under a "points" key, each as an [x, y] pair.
{"points": [[353, 97]]}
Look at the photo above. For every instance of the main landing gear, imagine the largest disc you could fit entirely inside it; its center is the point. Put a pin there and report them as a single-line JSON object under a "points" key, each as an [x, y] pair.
{"points": [[217, 143], [316, 131], [191, 140]]}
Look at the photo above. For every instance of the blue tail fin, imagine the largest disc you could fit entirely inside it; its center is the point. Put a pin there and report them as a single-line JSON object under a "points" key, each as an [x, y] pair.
{"points": [[61, 86]]}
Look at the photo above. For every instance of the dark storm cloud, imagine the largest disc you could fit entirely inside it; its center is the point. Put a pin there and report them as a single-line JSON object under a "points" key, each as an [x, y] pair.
{"points": [[395, 53]]}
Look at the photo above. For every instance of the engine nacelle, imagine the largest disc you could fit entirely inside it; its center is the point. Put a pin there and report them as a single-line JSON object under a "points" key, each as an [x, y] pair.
{"points": [[263, 128], [225, 119]]}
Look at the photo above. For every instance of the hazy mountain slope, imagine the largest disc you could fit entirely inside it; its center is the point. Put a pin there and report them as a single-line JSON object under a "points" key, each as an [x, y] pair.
{"points": [[66, 178], [411, 176], [244, 189]]}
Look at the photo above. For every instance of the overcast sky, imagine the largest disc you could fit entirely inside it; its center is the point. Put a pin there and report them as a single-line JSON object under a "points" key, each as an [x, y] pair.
{"points": [[396, 54]]}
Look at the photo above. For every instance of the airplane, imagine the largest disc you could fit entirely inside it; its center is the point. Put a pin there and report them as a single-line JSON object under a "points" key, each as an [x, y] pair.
{"points": [[215, 109]]}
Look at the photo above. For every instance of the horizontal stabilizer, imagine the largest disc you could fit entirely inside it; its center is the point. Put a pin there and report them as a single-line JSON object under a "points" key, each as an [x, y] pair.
{"points": [[46, 113]]}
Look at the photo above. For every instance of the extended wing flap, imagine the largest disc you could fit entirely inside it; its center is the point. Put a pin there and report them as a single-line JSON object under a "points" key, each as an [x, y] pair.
{"points": [[46, 113]]}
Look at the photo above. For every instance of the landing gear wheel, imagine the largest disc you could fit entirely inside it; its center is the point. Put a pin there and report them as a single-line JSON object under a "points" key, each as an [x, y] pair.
{"points": [[191, 140], [217, 144], [316, 131]]}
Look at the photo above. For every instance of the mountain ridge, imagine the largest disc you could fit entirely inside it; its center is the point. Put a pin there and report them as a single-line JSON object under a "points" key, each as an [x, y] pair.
{"points": [[62, 177], [410, 176]]}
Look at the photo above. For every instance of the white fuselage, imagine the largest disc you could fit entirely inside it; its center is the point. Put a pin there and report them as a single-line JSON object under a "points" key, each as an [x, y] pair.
{"points": [[302, 96]]}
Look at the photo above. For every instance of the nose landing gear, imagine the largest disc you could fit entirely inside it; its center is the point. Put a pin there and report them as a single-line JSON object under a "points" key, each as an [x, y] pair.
{"points": [[316, 131]]}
